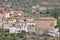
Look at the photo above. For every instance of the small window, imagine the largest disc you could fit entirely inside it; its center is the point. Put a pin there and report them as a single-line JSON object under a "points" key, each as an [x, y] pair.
{"points": [[24, 19], [10, 14], [32, 25]]}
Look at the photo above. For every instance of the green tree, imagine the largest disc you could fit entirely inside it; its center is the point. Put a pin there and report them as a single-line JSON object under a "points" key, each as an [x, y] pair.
{"points": [[58, 23], [56, 12]]}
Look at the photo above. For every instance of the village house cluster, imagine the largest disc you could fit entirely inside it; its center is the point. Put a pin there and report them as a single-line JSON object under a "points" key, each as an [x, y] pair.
{"points": [[18, 19]]}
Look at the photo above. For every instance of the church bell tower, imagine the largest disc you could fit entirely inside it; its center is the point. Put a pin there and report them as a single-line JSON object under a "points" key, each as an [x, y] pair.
{"points": [[38, 12]]}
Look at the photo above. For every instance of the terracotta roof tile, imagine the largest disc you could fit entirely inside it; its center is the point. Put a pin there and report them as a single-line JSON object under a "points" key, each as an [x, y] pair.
{"points": [[47, 18]]}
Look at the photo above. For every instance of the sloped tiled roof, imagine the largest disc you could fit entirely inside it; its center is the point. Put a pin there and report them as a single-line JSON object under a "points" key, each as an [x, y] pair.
{"points": [[47, 18]]}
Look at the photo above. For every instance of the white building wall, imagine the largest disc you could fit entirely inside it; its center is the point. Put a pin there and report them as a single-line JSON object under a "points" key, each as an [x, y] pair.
{"points": [[7, 26]]}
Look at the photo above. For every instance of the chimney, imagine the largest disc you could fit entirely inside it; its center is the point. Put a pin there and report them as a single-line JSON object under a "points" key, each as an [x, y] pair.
{"points": [[38, 12]]}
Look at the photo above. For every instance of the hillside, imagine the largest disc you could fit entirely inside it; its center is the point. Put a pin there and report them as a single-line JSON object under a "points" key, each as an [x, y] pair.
{"points": [[27, 4]]}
